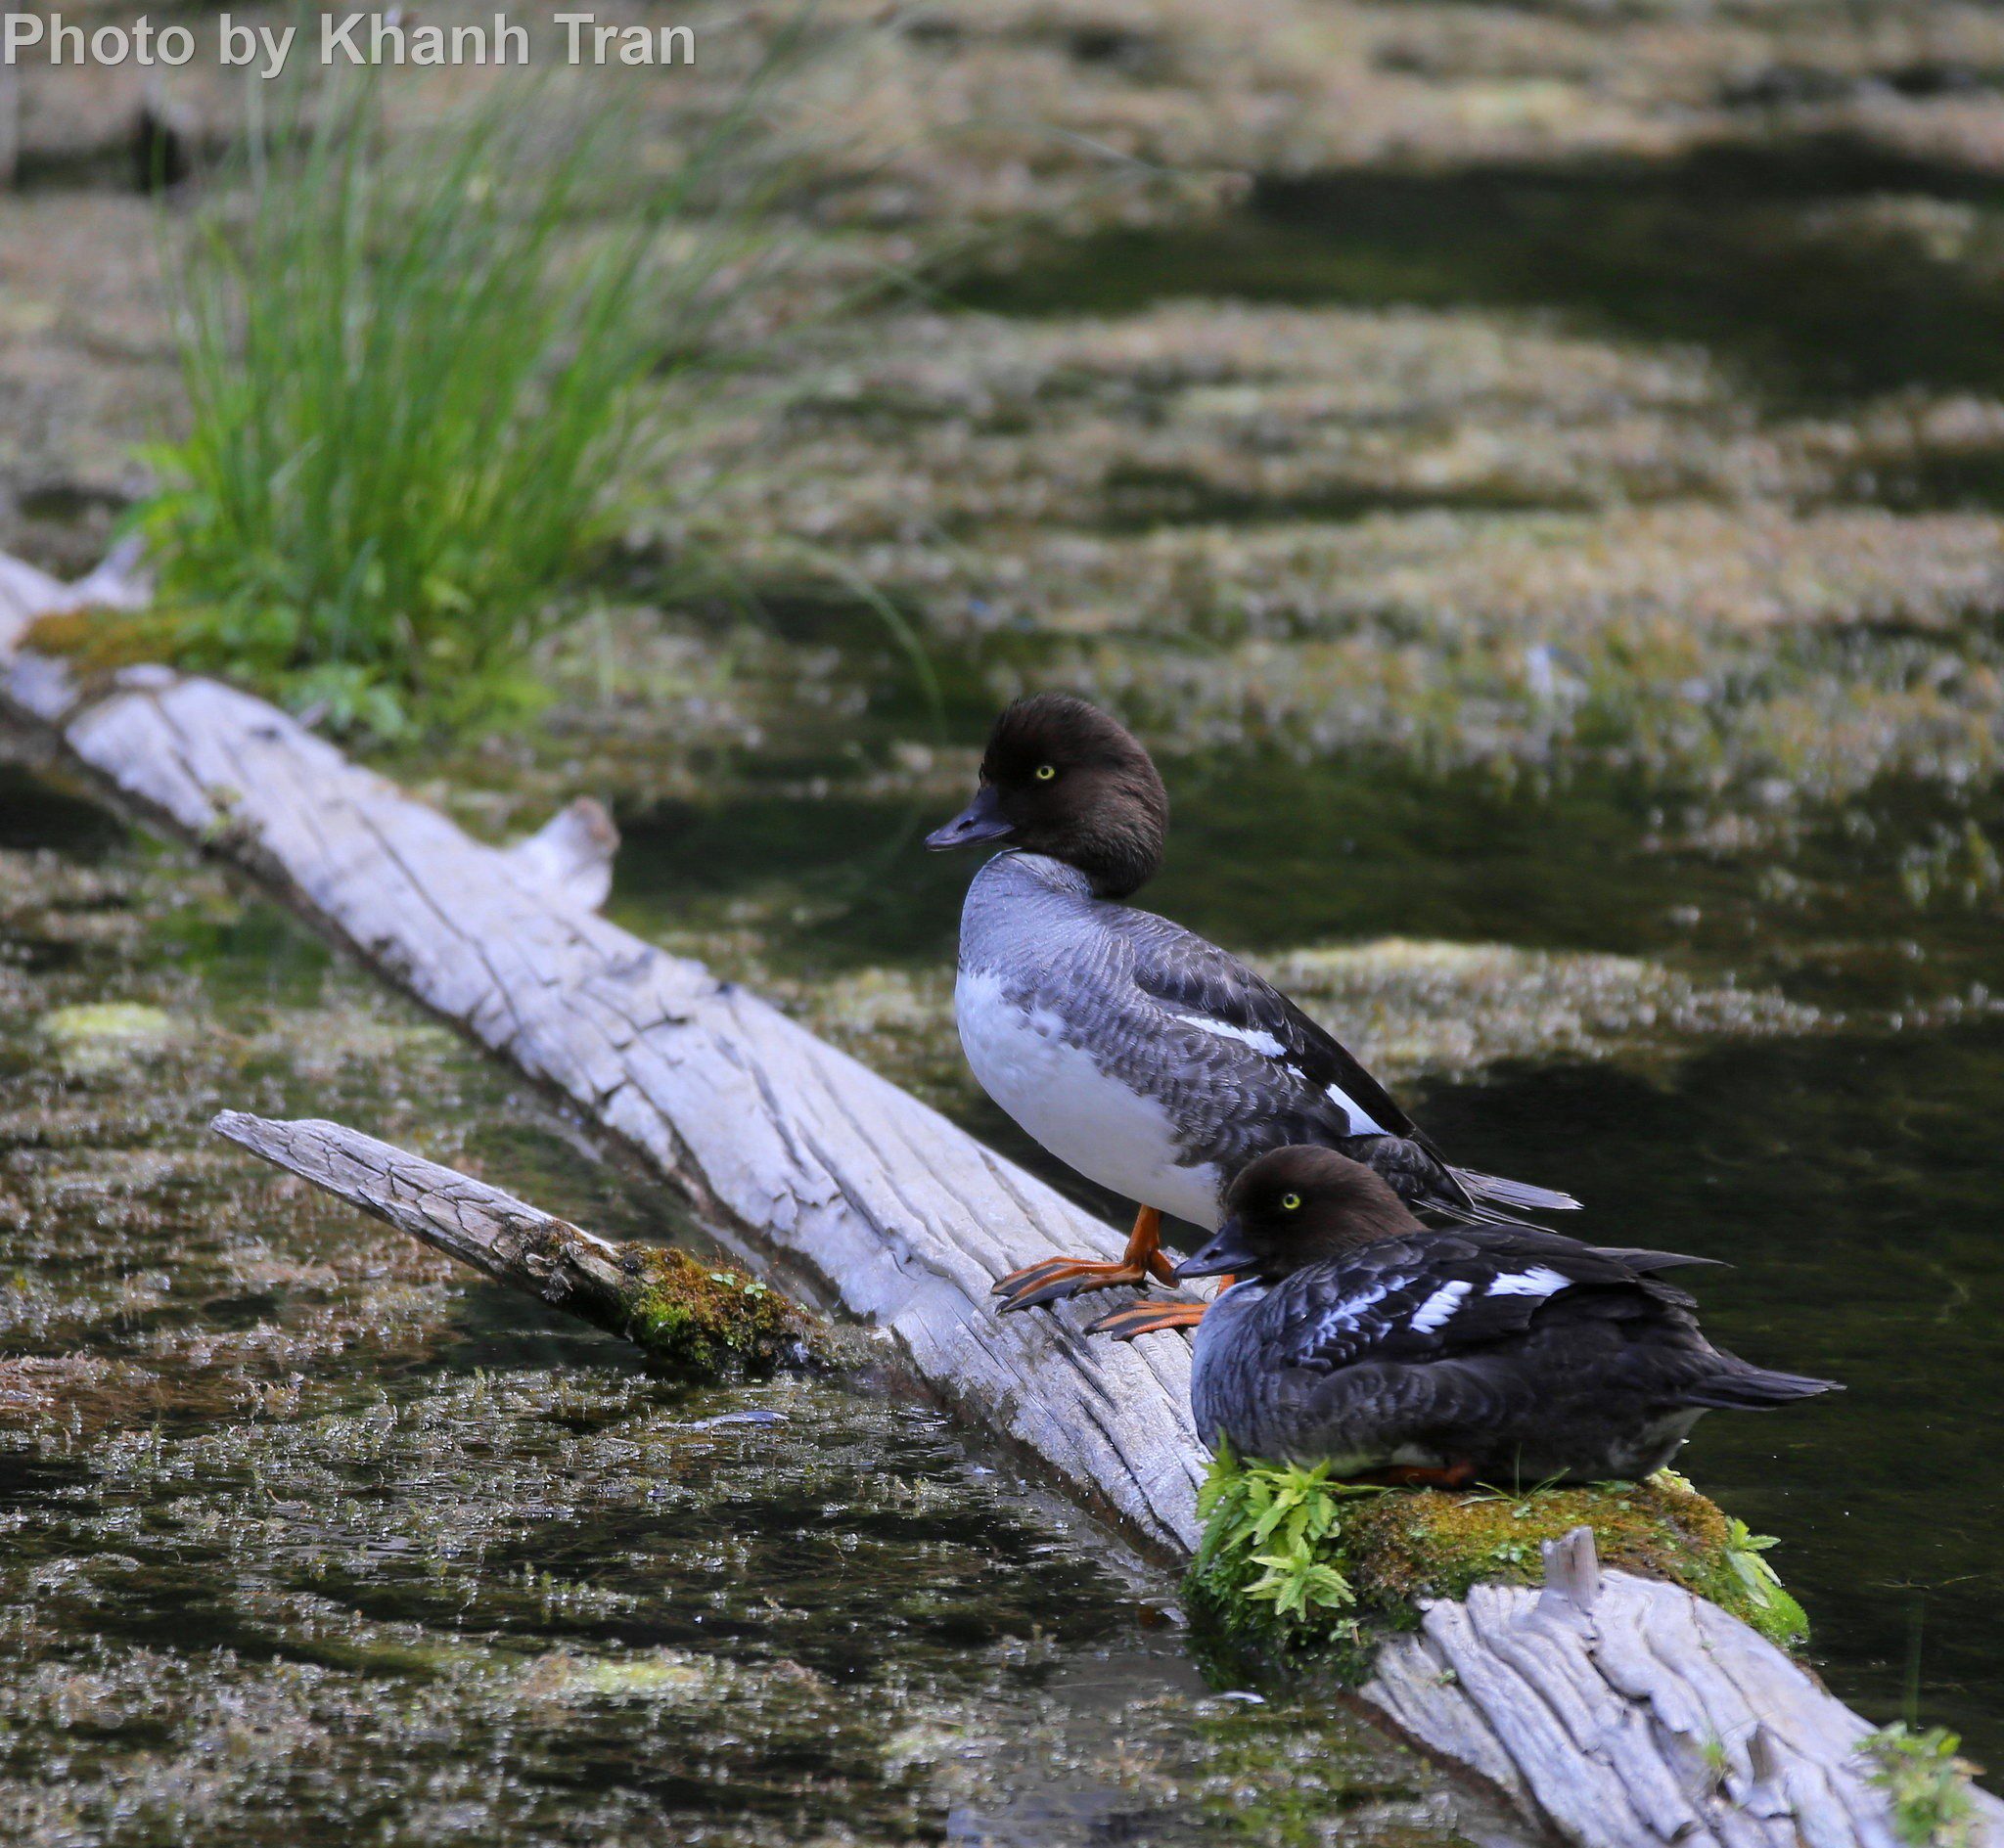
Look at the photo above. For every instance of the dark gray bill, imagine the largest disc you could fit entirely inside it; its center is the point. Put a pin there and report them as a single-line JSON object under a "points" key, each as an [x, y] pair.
{"points": [[1227, 1251], [981, 820]]}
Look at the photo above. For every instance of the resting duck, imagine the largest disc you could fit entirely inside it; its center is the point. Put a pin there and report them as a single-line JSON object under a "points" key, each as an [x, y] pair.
{"points": [[1358, 1337], [1145, 1058]]}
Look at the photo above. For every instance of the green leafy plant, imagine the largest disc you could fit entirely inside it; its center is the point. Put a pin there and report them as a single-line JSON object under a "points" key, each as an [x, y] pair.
{"points": [[417, 364], [1266, 1525], [1926, 1782], [1745, 1554]]}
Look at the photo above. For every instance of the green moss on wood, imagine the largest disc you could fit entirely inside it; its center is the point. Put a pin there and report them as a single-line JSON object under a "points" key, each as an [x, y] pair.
{"points": [[703, 1322], [1297, 1565], [99, 641]]}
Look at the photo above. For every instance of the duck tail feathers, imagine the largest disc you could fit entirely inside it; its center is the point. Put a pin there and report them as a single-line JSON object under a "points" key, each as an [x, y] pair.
{"points": [[1650, 1262], [1491, 1189], [1468, 1212], [1743, 1388]]}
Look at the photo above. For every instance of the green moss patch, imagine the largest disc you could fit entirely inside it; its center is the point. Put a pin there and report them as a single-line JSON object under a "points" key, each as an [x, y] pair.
{"points": [[96, 1037], [700, 1322], [1298, 1565], [99, 641]]}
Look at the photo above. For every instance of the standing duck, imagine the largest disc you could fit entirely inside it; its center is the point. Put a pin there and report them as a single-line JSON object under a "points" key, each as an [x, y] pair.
{"points": [[1148, 1059], [1358, 1337]]}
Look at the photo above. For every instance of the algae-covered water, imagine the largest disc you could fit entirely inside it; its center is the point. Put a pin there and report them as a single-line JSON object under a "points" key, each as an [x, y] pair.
{"points": [[311, 1539]]}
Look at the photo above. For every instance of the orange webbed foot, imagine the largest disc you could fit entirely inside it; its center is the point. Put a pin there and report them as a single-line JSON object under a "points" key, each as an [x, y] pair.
{"points": [[1146, 1318], [1056, 1279]]}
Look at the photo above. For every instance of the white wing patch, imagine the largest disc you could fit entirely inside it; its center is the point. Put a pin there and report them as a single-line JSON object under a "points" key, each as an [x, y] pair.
{"points": [[1540, 1280], [1361, 1121], [1437, 1307], [1262, 1043]]}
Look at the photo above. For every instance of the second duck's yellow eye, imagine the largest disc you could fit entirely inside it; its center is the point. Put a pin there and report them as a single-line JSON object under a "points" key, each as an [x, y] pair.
{"points": [[1290, 1202], [1045, 772]]}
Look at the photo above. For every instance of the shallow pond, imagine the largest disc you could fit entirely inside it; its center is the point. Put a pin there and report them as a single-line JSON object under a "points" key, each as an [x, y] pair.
{"points": [[1851, 1175], [303, 1524], [309, 1538]]}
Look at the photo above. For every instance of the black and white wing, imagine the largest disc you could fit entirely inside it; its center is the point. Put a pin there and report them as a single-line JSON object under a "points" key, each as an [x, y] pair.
{"points": [[1205, 988], [1449, 1293]]}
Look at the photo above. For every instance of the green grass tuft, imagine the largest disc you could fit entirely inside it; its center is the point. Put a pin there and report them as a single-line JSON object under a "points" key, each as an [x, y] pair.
{"points": [[414, 366]]}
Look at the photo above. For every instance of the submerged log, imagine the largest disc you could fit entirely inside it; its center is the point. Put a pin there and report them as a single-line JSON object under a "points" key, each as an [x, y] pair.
{"points": [[1616, 1710]]}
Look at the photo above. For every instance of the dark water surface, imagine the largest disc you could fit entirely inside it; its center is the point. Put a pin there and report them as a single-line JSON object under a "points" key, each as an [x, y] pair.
{"points": [[1740, 246]]}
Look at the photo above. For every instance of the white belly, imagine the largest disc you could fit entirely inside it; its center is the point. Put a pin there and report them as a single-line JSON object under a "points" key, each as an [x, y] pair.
{"points": [[1089, 1121]]}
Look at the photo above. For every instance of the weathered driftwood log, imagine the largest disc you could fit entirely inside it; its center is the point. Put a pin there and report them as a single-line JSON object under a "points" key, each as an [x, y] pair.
{"points": [[26, 593], [1623, 1709], [1649, 1717], [696, 1319], [572, 854], [1626, 1710], [900, 1217]]}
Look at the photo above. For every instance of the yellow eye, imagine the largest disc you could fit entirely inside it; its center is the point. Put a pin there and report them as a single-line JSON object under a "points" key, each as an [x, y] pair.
{"points": [[1045, 772], [1290, 1202]]}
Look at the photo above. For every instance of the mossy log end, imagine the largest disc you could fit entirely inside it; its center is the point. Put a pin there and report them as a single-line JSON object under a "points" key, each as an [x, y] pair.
{"points": [[696, 1321], [1392, 1553], [1672, 1720], [1581, 1702]]}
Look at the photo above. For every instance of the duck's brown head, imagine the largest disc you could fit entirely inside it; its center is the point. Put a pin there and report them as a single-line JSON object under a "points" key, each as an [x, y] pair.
{"points": [[1297, 1206], [1061, 778]]}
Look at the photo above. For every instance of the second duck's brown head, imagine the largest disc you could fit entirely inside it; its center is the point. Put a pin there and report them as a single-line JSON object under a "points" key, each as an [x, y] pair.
{"points": [[1298, 1206], [1061, 778]]}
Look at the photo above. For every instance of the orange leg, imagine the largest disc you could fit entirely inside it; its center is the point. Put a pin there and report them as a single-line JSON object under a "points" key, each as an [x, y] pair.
{"points": [[1142, 1318], [1056, 1279], [1411, 1476]]}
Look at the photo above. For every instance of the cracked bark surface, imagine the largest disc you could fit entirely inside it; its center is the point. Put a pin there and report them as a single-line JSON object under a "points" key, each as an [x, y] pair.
{"points": [[1616, 1710], [686, 1316], [1626, 1710]]}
